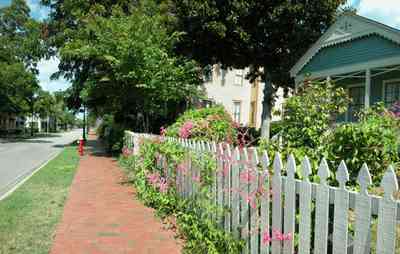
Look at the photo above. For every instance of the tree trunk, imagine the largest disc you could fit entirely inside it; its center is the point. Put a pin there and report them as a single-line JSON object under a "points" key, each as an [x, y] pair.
{"points": [[267, 109], [266, 122]]}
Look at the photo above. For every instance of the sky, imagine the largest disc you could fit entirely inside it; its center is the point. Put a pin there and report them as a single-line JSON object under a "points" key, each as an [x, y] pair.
{"points": [[384, 11]]}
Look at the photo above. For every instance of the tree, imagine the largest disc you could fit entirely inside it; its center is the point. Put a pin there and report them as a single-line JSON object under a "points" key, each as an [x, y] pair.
{"points": [[21, 47], [20, 36], [67, 19], [16, 86], [123, 64], [268, 36]]}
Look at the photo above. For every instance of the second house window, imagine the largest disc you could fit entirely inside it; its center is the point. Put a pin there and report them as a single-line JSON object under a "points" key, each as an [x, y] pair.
{"points": [[357, 95], [238, 77], [391, 93], [236, 111]]}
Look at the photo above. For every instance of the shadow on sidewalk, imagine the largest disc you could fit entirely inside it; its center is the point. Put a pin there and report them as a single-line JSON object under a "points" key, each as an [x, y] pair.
{"points": [[96, 147]]}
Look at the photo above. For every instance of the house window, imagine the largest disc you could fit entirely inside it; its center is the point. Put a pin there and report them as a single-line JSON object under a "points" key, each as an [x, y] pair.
{"points": [[208, 73], [223, 75], [237, 108], [392, 93], [238, 77], [357, 96]]}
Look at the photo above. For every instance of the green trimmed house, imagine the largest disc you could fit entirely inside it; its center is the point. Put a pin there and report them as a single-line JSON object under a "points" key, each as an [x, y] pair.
{"points": [[362, 55]]}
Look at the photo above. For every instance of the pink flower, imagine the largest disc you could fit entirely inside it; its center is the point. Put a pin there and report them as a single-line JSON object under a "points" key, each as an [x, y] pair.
{"points": [[266, 238], [181, 168], [247, 176], [250, 199], [252, 202], [126, 152], [163, 131], [153, 178], [287, 237], [277, 235], [196, 179], [185, 130], [163, 185]]}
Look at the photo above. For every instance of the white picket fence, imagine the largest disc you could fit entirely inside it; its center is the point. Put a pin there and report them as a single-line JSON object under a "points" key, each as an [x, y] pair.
{"points": [[291, 198]]}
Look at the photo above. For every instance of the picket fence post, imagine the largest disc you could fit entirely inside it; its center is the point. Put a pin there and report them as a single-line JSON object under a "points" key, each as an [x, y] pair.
{"points": [[386, 234], [290, 205], [305, 208], [340, 226], [265, 205], [362, 234], [237, 181], [322, 210]]}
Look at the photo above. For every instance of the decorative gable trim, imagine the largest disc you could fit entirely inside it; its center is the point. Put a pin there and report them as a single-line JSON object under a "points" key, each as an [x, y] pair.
{"points": [[348, 27]]}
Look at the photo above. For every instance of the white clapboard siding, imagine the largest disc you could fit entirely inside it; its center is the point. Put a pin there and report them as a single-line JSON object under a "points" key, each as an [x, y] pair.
{"points": [[265, 205], [290, 206], [386, 234], [277, 202], [279, 209], [362, 234], [322, 211], [305, 209], [341, 211]]}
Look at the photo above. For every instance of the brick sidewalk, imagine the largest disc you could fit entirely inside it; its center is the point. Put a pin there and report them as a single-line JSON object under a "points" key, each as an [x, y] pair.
{"points": [[102, 216]]}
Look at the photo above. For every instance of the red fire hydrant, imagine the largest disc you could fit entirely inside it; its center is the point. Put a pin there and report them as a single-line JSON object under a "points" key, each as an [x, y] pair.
{"points": [[81, 144]]}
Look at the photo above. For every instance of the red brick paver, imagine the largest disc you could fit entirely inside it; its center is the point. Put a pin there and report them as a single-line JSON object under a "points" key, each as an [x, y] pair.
{"points": [[102, 216]]}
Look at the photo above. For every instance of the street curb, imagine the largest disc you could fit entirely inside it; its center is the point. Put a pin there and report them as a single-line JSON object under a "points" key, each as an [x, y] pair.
{"points": [[27, 176]]}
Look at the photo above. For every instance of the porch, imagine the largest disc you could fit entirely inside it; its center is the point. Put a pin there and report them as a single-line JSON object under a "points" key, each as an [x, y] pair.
{"points": [[360, 54], [368, 87]]}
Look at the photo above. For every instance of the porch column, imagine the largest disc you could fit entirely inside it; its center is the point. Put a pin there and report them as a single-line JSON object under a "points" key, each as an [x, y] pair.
{"points": [[367, 88]]}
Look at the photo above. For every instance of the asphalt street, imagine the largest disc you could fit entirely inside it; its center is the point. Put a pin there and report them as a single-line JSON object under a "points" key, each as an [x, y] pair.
{"points": [[18, 159]]}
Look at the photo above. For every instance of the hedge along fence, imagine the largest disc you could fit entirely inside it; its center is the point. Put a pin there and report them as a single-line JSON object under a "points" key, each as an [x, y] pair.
{"points": [[280, 214]]}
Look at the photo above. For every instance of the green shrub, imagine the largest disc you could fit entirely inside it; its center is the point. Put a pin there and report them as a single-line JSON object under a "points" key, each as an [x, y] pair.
{"points": [[311, 112], [276, 127], [373, 140], [193, 216], [111, 133], [208, 124]]}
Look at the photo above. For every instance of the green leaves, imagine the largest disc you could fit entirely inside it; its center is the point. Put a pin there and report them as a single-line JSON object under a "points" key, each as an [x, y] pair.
{"points": [[311, 113], [193, 216], [120, 52], [21, 48], [374, 140], [209, 124]]}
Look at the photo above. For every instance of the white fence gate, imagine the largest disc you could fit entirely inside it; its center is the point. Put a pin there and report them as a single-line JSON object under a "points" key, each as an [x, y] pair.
{"points": [[318, 214]]}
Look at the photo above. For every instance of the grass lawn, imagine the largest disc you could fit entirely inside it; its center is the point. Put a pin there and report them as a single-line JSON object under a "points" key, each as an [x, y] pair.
{"points": [[28, 216]]}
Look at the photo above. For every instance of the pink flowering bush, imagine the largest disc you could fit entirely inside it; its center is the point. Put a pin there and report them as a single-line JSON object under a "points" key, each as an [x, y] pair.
{"points": [[126, 152], [186, 130], [155, 185], [208, 124]]}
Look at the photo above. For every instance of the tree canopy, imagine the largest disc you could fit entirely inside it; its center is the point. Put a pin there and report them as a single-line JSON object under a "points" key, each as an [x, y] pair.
{"points": [[21, 47], [268, 36], [121, 62]]}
